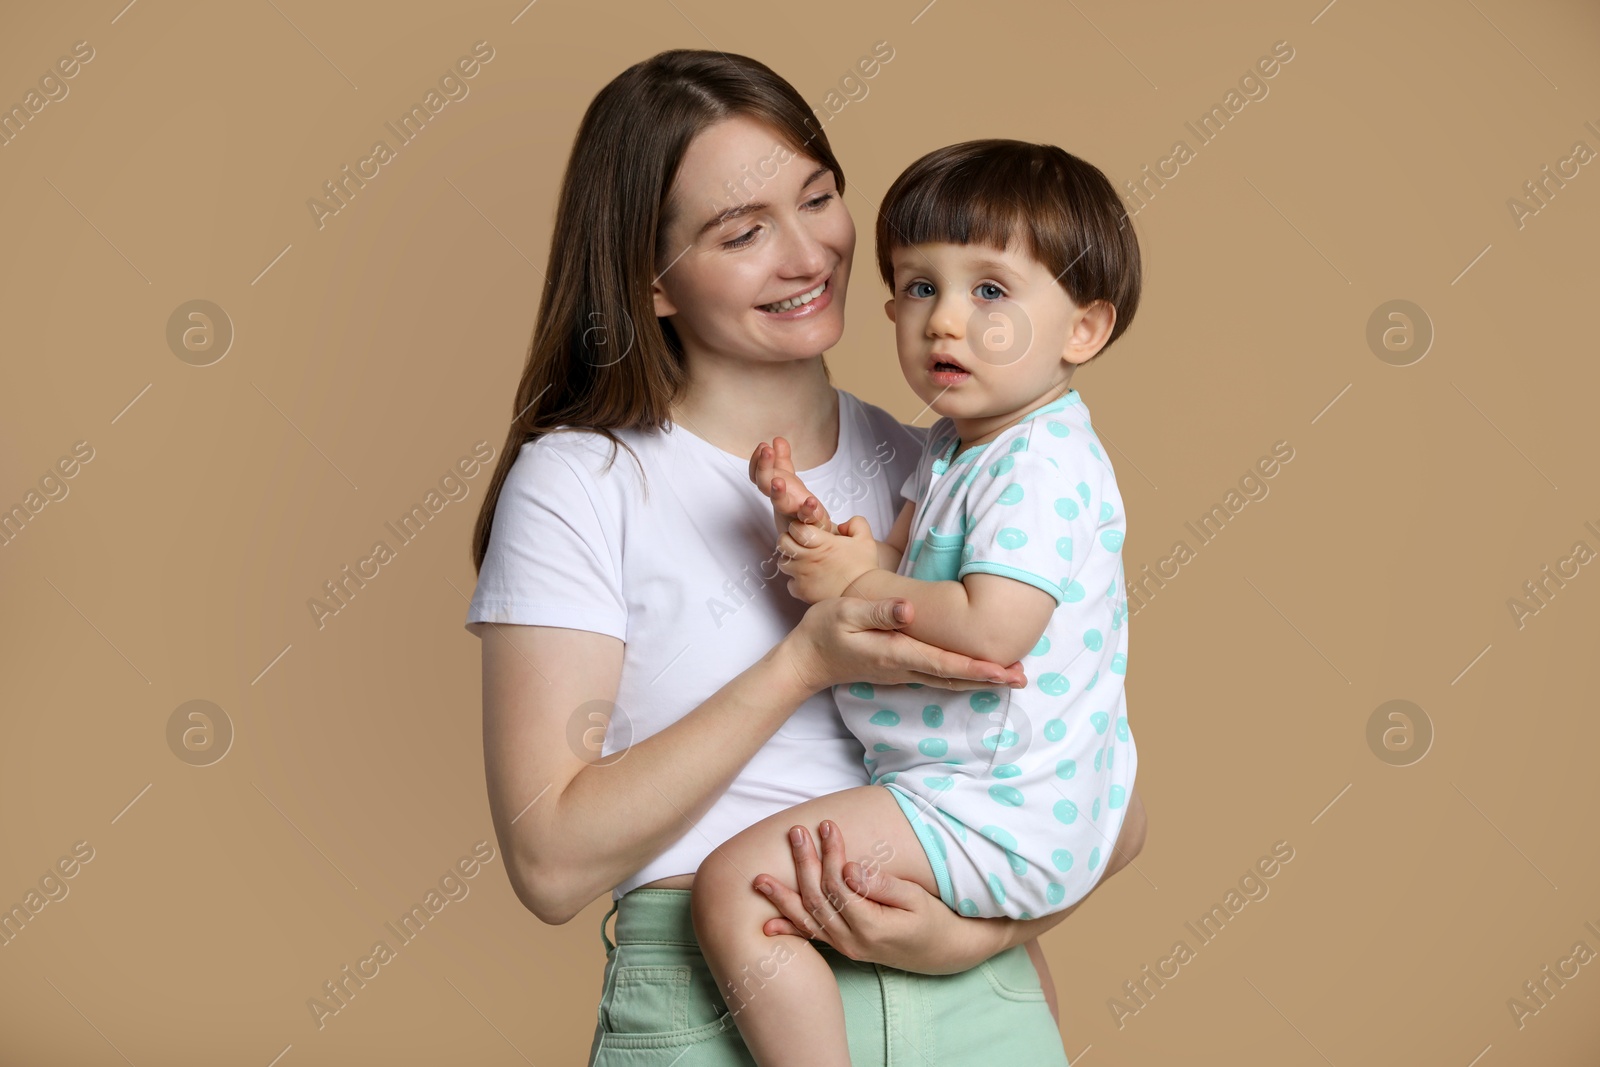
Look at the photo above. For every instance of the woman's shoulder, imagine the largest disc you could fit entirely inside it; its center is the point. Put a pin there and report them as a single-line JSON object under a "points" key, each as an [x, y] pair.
{"points": [[568, 463], [884, 427]]}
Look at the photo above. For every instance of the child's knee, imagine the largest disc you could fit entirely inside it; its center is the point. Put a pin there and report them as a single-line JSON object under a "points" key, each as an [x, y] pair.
{"points": [[716, 886]]}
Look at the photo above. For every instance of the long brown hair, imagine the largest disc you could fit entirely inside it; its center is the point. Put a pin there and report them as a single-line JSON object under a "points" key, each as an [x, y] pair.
{"points": [[600, 359]]}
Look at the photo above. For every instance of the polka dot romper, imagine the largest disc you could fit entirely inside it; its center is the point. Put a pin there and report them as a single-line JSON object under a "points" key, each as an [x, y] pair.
{"points": [[1017, 795]]}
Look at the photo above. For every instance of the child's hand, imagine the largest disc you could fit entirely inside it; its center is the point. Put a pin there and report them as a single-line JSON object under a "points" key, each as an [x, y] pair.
{"points": [[820, 564], [772, 471]]}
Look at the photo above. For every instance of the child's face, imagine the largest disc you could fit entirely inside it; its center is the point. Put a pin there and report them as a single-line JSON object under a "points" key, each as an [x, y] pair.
{"points": [[1000, 317]]}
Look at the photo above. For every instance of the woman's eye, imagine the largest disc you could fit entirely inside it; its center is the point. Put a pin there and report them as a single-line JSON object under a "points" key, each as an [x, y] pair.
{"points": [[998, 292], [915, 289], [816, 204]]}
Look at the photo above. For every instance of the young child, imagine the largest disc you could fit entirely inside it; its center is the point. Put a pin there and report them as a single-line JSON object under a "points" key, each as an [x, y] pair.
{"points": [[1011, 264]]}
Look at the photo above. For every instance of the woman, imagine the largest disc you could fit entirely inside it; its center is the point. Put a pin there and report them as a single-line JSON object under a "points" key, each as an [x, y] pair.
{"points": [[633, 598]]}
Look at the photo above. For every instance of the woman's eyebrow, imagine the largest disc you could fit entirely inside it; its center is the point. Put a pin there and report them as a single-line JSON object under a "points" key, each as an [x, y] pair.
{"points": [[751, 207]]}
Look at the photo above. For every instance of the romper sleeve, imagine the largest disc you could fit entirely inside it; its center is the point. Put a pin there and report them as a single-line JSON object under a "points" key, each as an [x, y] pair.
{"points": [[1027, 520], [553, 556]]}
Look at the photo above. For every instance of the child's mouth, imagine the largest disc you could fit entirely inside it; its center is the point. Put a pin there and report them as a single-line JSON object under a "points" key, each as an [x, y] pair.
{"points": [[947, 374]]}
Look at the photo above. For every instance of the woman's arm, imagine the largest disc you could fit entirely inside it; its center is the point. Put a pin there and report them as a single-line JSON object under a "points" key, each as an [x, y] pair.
{"points": [[895, 922], [574, 825]]}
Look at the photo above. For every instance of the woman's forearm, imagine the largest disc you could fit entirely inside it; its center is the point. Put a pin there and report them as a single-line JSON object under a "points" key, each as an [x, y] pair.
{"points": [[613, 817]]}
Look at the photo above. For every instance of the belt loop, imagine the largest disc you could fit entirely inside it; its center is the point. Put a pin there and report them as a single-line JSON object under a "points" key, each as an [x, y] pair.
{"points": [[610, 948]]}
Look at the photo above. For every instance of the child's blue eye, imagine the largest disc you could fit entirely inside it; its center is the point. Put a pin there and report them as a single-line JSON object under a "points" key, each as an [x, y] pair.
{"points": [[998, 292], [911, 288]]}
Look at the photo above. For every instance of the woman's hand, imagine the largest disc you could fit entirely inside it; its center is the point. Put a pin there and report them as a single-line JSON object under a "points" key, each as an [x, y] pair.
{"points": [[868, 914], [848, 639]]}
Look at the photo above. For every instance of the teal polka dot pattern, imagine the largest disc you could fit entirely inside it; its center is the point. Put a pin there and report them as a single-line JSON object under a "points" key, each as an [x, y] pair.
{"points": [[997, 889], [983, 701], [1007, 794], [1029, 785], [1054, 683], [1010, 538], [1000, 739], [999, 837]]}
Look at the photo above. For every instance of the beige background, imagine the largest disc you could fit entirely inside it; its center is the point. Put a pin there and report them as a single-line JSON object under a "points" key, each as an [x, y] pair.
{"points": [[369, 355]]}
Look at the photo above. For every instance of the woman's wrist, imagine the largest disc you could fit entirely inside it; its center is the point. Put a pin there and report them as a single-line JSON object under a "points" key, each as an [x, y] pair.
{"points": [[795, 668]]}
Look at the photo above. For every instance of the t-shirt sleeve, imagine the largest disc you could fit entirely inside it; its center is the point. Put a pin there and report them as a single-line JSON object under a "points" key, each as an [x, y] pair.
{"points": [[1027, 520], [553, 556]]}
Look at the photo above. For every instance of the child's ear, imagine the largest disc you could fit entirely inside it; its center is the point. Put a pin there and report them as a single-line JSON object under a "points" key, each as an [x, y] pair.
{"points": [[888, 308], [664, 305], [1090, 330]]}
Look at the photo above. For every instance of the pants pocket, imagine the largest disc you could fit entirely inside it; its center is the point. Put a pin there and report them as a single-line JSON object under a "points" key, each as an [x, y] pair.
{"points": [[1013, 975], [647, 998], [651, 1002]]}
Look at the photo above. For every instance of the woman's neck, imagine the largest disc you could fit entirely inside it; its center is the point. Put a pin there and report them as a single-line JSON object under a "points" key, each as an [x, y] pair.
{"points": [[735, 406]]}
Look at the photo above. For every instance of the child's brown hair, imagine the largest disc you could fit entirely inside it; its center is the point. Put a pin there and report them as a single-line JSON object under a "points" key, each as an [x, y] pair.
{"points": [[982, 192]]}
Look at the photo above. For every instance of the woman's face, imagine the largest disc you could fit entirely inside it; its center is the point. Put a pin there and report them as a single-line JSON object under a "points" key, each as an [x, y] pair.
{"points": [[752, 225]]}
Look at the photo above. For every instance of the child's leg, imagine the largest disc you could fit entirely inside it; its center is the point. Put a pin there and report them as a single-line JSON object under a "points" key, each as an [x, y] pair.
{"points": [[781, 992]]}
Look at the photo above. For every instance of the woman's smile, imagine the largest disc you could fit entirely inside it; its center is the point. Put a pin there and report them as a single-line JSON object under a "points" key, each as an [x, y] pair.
{"points": [[802, 305]]}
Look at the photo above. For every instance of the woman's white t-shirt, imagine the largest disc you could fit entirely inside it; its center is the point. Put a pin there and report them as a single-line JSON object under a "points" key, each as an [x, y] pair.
{"points": [[683, 569]]}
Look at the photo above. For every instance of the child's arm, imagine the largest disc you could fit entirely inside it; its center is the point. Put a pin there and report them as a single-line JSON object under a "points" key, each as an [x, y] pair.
{"points": [[987, 616], [893, 547], [1027, 529]]}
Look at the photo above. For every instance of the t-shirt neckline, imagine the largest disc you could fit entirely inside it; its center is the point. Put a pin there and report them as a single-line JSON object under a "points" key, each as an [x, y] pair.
{"points": [[822, 470]]}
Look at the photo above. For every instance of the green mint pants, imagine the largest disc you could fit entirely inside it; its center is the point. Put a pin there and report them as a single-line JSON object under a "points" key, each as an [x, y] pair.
{"points": [[660, 1006]]}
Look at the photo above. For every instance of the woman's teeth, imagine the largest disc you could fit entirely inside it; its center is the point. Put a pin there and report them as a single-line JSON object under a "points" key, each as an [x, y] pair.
{"points": [[794, 301]]}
